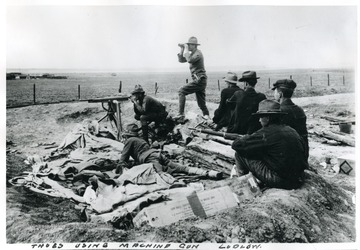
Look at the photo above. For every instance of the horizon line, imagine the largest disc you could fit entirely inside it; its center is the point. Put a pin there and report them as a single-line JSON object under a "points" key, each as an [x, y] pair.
{"points": [[113, 70]]}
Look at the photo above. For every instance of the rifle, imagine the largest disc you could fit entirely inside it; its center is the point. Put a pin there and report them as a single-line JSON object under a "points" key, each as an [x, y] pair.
{"points": [[228, 136]]}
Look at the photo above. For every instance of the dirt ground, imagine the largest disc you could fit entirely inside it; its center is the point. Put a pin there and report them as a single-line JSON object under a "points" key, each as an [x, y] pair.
{"points": [[322, 211]]}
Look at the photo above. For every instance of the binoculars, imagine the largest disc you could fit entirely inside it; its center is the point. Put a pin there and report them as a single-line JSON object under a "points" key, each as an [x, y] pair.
{"points": [[181, 45]]}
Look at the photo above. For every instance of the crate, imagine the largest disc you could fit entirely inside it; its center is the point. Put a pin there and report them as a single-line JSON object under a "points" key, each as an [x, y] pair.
{"points": [[202, 204]]}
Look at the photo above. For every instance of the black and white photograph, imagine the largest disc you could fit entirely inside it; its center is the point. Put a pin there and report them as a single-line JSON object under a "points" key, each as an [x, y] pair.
{"points": [[179, 125]]}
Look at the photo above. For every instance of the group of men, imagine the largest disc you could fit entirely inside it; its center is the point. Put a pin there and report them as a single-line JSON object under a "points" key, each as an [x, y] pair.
{"points": [[274, 146]]}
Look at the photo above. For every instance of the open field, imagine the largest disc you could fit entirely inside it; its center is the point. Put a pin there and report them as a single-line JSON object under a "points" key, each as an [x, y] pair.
{"points": [[92, 85]]}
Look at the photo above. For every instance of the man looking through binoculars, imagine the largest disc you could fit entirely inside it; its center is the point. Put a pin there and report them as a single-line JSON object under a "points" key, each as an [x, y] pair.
{"points": [[189, 53]]}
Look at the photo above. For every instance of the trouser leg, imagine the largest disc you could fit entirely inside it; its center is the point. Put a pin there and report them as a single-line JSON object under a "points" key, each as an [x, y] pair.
{"points": [[154, 158], [182, 100], [202, 172], [241, 165], [262, 172], [191, 88], [173, 167], [201, 97], [145, 119], [144, 127]]}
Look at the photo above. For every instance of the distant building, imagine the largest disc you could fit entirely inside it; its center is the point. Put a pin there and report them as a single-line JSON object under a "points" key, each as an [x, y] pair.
{"points": [[23, 76], [48, 75], [13, 75], [52, 76], [18, 75]]}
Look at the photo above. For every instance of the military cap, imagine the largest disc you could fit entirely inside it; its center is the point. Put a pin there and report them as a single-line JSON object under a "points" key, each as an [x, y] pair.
{"points": [[284, 83]]}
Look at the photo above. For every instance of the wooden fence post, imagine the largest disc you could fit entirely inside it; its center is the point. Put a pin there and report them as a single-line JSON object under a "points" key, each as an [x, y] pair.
{"points": [[156, 88], [328, 79], [120, 87], [187, 81], [34, 94], [219, 85], [343, 80], [310, 80], [79, 91], [269, 83], [290, 76]]}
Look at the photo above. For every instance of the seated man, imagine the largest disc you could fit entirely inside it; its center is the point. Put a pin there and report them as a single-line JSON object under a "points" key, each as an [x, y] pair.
{"points": [[147, 109], [222, 114], [295, 117], [141, 152], [275, 154], [246, 102]]}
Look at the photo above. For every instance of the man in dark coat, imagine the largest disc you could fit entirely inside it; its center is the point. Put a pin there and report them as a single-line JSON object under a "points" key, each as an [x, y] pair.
{"points": [[147, 109], [246, 102], [295, 117], [222, 114], [275, 154], [139, 150]]}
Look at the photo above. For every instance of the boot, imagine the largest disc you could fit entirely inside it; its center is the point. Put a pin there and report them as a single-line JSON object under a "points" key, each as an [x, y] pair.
{"points": [[215, 174]]}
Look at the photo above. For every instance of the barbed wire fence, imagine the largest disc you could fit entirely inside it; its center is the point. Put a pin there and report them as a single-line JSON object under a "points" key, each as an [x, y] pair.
{"points": [[35, 92]]}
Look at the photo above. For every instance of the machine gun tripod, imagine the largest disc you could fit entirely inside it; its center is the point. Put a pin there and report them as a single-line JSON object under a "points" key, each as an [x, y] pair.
{"points": [[113, 110]]}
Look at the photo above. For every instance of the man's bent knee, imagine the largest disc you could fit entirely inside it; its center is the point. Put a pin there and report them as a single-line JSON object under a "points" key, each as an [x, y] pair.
{"points": [[143, 119], [181, 92]]}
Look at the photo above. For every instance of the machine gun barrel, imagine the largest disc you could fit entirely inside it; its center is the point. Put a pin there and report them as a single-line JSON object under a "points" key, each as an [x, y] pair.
{"points": [[229, 136], [110, 98]]}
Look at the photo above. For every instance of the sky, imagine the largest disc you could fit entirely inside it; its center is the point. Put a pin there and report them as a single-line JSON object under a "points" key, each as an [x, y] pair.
{"points": [[145, 37]]}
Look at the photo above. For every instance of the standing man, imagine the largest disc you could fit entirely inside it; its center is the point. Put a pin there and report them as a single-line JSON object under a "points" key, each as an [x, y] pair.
{"points": [[189, 53], [222, 114], [295, 117], [275, 154], [246, 102], [147, 109]]}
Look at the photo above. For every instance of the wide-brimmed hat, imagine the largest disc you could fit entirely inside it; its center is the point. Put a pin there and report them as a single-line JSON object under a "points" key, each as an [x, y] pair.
{"points": [[138, 89], [284, 83], [231, 78], [193, 40], [269, 107], [131, 129], [248, 75]]}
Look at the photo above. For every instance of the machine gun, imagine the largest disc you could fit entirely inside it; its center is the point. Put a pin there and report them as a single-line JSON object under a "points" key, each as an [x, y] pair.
{"points": [[228, 136], [113, 110], [110, 98]]}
